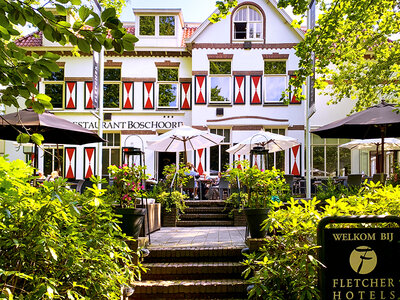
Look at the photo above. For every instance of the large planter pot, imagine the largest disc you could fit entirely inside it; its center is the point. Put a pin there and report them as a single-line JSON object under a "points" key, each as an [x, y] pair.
{"points": [[168, 219], [132, 220], [255, 217]]}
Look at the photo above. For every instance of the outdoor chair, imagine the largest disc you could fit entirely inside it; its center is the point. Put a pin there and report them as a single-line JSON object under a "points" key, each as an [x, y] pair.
{"points": [[289, 178], [223, 187], [381, 177], [354, 180], [188, 188]]}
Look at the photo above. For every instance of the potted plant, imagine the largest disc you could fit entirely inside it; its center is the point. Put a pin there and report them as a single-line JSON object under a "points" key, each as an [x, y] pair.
{"points": [[258, 191], [126, 189], [170, 197]]}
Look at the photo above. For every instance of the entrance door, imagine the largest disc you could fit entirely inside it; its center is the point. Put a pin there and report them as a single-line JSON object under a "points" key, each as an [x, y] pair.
{"points": [[165, 159]]}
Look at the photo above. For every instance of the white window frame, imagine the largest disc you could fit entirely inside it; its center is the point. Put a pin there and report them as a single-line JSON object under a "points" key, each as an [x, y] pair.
{"points": [[168, 82], [58, 82], [157, 27], [230, 87], [248, 23], [266, 100]]}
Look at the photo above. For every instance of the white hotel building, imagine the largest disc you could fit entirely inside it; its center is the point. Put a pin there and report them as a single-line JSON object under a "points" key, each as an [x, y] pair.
{"points": [[225, 78]]}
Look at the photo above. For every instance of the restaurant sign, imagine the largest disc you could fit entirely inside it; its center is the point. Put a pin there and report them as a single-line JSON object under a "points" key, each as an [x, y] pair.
{"points": [[131, 125], [361, 263]]}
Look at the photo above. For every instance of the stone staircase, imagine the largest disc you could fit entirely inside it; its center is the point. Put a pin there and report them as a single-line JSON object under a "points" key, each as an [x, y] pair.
{"points": [[205, 213], [192, 273]]}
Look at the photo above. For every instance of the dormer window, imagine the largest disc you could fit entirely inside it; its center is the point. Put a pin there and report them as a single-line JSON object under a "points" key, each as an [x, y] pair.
{"points": [[157, 25], [247, 24]]}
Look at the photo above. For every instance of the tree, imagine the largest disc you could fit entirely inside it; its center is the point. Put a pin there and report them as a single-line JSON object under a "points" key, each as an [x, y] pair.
{"points": [[354, 49], [20, 70]]}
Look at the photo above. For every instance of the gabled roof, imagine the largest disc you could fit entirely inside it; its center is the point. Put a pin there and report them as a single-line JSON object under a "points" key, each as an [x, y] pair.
{"points": [[273, 3]]}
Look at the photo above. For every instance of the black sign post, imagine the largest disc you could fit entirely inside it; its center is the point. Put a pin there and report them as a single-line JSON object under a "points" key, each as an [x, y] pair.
{"points": [[360, 263]]}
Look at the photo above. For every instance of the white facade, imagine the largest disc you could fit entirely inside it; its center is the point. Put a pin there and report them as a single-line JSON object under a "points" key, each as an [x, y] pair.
{"points": [[191, 49]]}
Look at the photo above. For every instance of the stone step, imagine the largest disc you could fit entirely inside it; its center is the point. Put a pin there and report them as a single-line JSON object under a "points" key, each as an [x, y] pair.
{"points": [[191, 203], [190, 289], [199, 223], [192, 216], [193, 270], [218, 254], [206, 210]]}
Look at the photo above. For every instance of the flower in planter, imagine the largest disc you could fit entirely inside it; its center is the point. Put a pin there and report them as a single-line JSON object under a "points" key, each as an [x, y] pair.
{"points": [[128, 183]]}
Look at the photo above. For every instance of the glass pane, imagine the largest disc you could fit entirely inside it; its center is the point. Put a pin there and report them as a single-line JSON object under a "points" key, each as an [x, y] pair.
{"points": [[167, 74], [258, 30], [280, 160], [47, 162], [115, 157], [331, 141], [254, 15], [241, 15], [167, 25], [331, 161], [55, 92], [317, 140], [111, 95], [274, 86], [274, 67], [213, 130], [56, 76], [167, 95], [107, 137], [344, 141], [214, 158], [117, 139], [220, 131], [240, 30], [105, 161], [112, 74], [281, 131], [220, 89], [220, 67], [270, 160], [227, 134], [147, 25], [318, 168], [224, 157], [364, 162], [344, 161]]}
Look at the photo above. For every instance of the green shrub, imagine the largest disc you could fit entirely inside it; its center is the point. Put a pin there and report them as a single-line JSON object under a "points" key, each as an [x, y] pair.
{"points": [[171, 200], [286, 267], [57, 244]]}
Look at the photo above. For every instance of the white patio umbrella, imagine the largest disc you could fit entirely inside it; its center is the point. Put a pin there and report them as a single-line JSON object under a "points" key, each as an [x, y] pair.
{"points": [[373, 144], [184, 138], [270, 141]]}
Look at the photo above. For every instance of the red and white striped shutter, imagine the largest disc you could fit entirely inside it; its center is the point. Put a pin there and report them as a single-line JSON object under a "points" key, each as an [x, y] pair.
{"points": [[255, 89], [201, 160], [148, 95], [186, 95], [89, 95], [70, 95], [239, 89], [70, 162], [89, 163], [127, 95], [295, 163], [200, 89]]}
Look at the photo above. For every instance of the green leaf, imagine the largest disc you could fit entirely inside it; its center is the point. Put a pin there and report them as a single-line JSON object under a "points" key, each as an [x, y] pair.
{"points": [[94, 22], [38, 139], [38, 107], [83, 45], [96, 45], [4, 33], [61, 10], [52, 251], [108, 13], [23, 138], [84, 13]]}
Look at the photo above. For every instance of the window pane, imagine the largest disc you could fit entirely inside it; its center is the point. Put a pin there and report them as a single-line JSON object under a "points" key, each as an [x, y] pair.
{"points": [[147, 25], [167, 74], [344, 161], [240, 30], [220, 131], [111, 95], [167, 95], [56, 76], [112, 74], [220, 67], [274, 67], [117, 139], [224, 157], [280, 160], [317, 140], [274, 86], [258, 30], [220, 89], [115, 157], [318, 168], [105, 161], [55, 92], [213, 131], [241, 15], [254, 15], [227, 135], [214, 158], [331, 161], [331, 141], [167, 25]]}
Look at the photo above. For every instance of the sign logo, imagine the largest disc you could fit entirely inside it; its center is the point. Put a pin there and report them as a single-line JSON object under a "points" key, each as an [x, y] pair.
{"points": [[363, 260]]}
